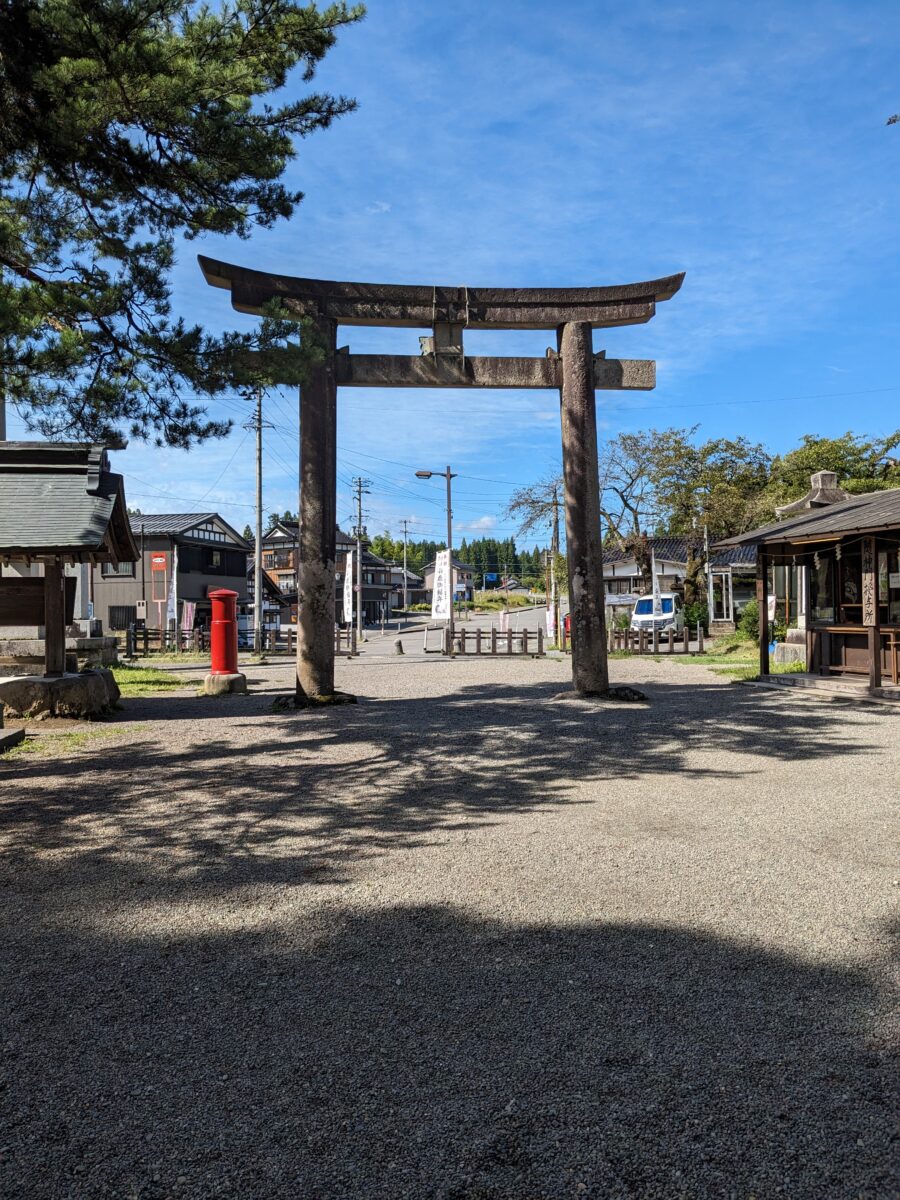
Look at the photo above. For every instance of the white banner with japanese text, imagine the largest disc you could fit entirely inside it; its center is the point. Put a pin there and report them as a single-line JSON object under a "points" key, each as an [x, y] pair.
{"points": [[348, 590], [441, 598]]}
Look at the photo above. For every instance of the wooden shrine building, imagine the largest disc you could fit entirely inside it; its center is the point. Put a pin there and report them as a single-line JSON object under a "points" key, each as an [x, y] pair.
{"points": [[59, 504], [847, 554]]}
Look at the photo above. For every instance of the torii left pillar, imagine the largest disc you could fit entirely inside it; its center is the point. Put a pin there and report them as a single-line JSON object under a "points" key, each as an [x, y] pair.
{"points": [[318, 518], [581, 480]]}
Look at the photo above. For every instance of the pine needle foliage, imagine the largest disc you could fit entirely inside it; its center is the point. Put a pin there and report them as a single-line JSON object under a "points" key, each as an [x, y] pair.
{"points": [[127, 126]]}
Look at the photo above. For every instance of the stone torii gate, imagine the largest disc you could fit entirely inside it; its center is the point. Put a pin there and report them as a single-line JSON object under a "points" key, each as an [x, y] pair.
{"points": [[573, 368]]}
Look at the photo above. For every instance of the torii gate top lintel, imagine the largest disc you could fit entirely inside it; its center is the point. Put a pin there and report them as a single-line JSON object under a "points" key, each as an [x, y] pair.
{"points": [[414, 306]]}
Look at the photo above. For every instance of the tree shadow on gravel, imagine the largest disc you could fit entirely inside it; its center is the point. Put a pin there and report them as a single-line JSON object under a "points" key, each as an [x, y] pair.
{"points": [[299, 796], [420, 1053]]}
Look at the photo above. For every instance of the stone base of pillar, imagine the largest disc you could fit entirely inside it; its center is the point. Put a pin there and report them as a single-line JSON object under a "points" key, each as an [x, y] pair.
{"points": [[224, 685], [302, 700], [621, 692]]}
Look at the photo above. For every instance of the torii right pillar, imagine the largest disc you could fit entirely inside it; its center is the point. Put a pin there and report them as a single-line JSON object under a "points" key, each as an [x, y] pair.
{"points": [[581, 477]]}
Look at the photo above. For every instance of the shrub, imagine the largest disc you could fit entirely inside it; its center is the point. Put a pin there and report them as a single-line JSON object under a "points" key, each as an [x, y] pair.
{"points": [[694, 613], [748, 622]]}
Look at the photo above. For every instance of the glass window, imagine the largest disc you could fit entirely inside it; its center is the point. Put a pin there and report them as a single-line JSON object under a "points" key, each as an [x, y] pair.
{"points": [[644, 608], [889, 584], [821, 589]]}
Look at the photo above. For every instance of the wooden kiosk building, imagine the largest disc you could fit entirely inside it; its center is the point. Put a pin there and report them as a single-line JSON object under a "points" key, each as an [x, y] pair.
{"points": [[847, 555]]}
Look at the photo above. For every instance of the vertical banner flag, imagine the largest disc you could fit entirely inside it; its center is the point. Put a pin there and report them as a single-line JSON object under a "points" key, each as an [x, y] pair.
{"points": [[440, 596], [348, 590], [550, 617], [657, 598], [772, 603], [188, 609], [171, 602]]}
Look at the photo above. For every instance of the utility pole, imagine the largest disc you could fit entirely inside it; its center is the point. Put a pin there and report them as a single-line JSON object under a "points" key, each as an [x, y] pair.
{"points": [[361, 487], [256, 423], [405, 523]]}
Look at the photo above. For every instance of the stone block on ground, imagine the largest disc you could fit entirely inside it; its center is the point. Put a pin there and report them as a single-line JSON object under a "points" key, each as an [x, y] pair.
{"points": [[27, 696], [78, 696], [83, 695], [10, 738], [224, 685], [789, 652], [113, 693]]}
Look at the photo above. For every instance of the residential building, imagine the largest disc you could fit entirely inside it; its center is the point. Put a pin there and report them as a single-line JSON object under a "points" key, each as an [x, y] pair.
{"points": [[280, 554], [277, 607], [463, 580], [415, 587], [280, 560], [181, 558], [377, 589], [730, 574]]}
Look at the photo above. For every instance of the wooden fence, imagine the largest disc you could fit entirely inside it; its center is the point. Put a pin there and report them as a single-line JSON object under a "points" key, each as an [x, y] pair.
{"points": [[495, 641], [143, 643], [643, 642]]}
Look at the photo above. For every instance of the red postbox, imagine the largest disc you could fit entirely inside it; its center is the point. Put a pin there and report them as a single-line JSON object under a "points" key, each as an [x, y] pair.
{"points": [[223, 632]]}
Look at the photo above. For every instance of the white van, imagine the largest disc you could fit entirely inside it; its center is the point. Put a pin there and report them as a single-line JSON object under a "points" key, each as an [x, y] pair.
{"points": [[672, 616]]}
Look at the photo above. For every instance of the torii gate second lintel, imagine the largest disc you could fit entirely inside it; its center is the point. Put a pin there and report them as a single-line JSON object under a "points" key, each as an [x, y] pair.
{"points": [[573, 368]]}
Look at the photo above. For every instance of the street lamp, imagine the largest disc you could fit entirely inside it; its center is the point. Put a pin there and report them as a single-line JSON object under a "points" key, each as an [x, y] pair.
{"points": [[448, 475]]}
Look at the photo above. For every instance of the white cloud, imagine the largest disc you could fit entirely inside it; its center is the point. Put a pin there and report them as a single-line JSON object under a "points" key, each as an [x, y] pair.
{"points": [[482, 525]]}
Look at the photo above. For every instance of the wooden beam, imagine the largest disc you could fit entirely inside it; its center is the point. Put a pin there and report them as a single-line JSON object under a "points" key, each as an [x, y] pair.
{"points": [[54, 621], [624, 374], [445, 371], [423, 306]]}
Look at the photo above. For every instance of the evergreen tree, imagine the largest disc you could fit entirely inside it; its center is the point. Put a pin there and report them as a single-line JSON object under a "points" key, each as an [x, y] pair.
{"points": [[126, 125]]}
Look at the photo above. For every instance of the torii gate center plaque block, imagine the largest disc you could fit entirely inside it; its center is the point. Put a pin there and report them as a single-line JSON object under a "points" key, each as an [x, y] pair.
{"points": [[572, 368]]}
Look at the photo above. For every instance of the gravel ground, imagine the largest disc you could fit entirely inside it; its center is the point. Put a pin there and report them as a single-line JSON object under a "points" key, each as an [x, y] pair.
{"points": [[460, 940]]}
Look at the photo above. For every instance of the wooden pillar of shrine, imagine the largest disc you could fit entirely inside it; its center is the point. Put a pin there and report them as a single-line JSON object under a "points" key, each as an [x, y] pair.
{"points": [[870, 610], [54, 620], [584, 558], [318, 512], [762, 599]]}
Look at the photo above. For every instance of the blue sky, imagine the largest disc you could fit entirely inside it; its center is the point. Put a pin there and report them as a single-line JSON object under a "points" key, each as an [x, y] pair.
{"points": [[521, 144]]}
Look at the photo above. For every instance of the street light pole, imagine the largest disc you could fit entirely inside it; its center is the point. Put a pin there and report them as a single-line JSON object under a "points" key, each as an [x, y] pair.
{"points": [[448, 475]]}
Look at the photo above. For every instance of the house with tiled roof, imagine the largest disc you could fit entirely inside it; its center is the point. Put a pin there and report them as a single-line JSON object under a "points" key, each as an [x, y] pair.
{"points": [[181, 558], [730, 574]]}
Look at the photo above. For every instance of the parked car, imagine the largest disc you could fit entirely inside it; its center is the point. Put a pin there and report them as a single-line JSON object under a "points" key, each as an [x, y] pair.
{"points": [[672, 616]]}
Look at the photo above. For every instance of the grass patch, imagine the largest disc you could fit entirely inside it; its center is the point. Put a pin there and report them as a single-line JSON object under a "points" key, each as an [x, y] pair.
{"points": [[149, 681], [62, 745], [744, 673], [497, 601]]}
